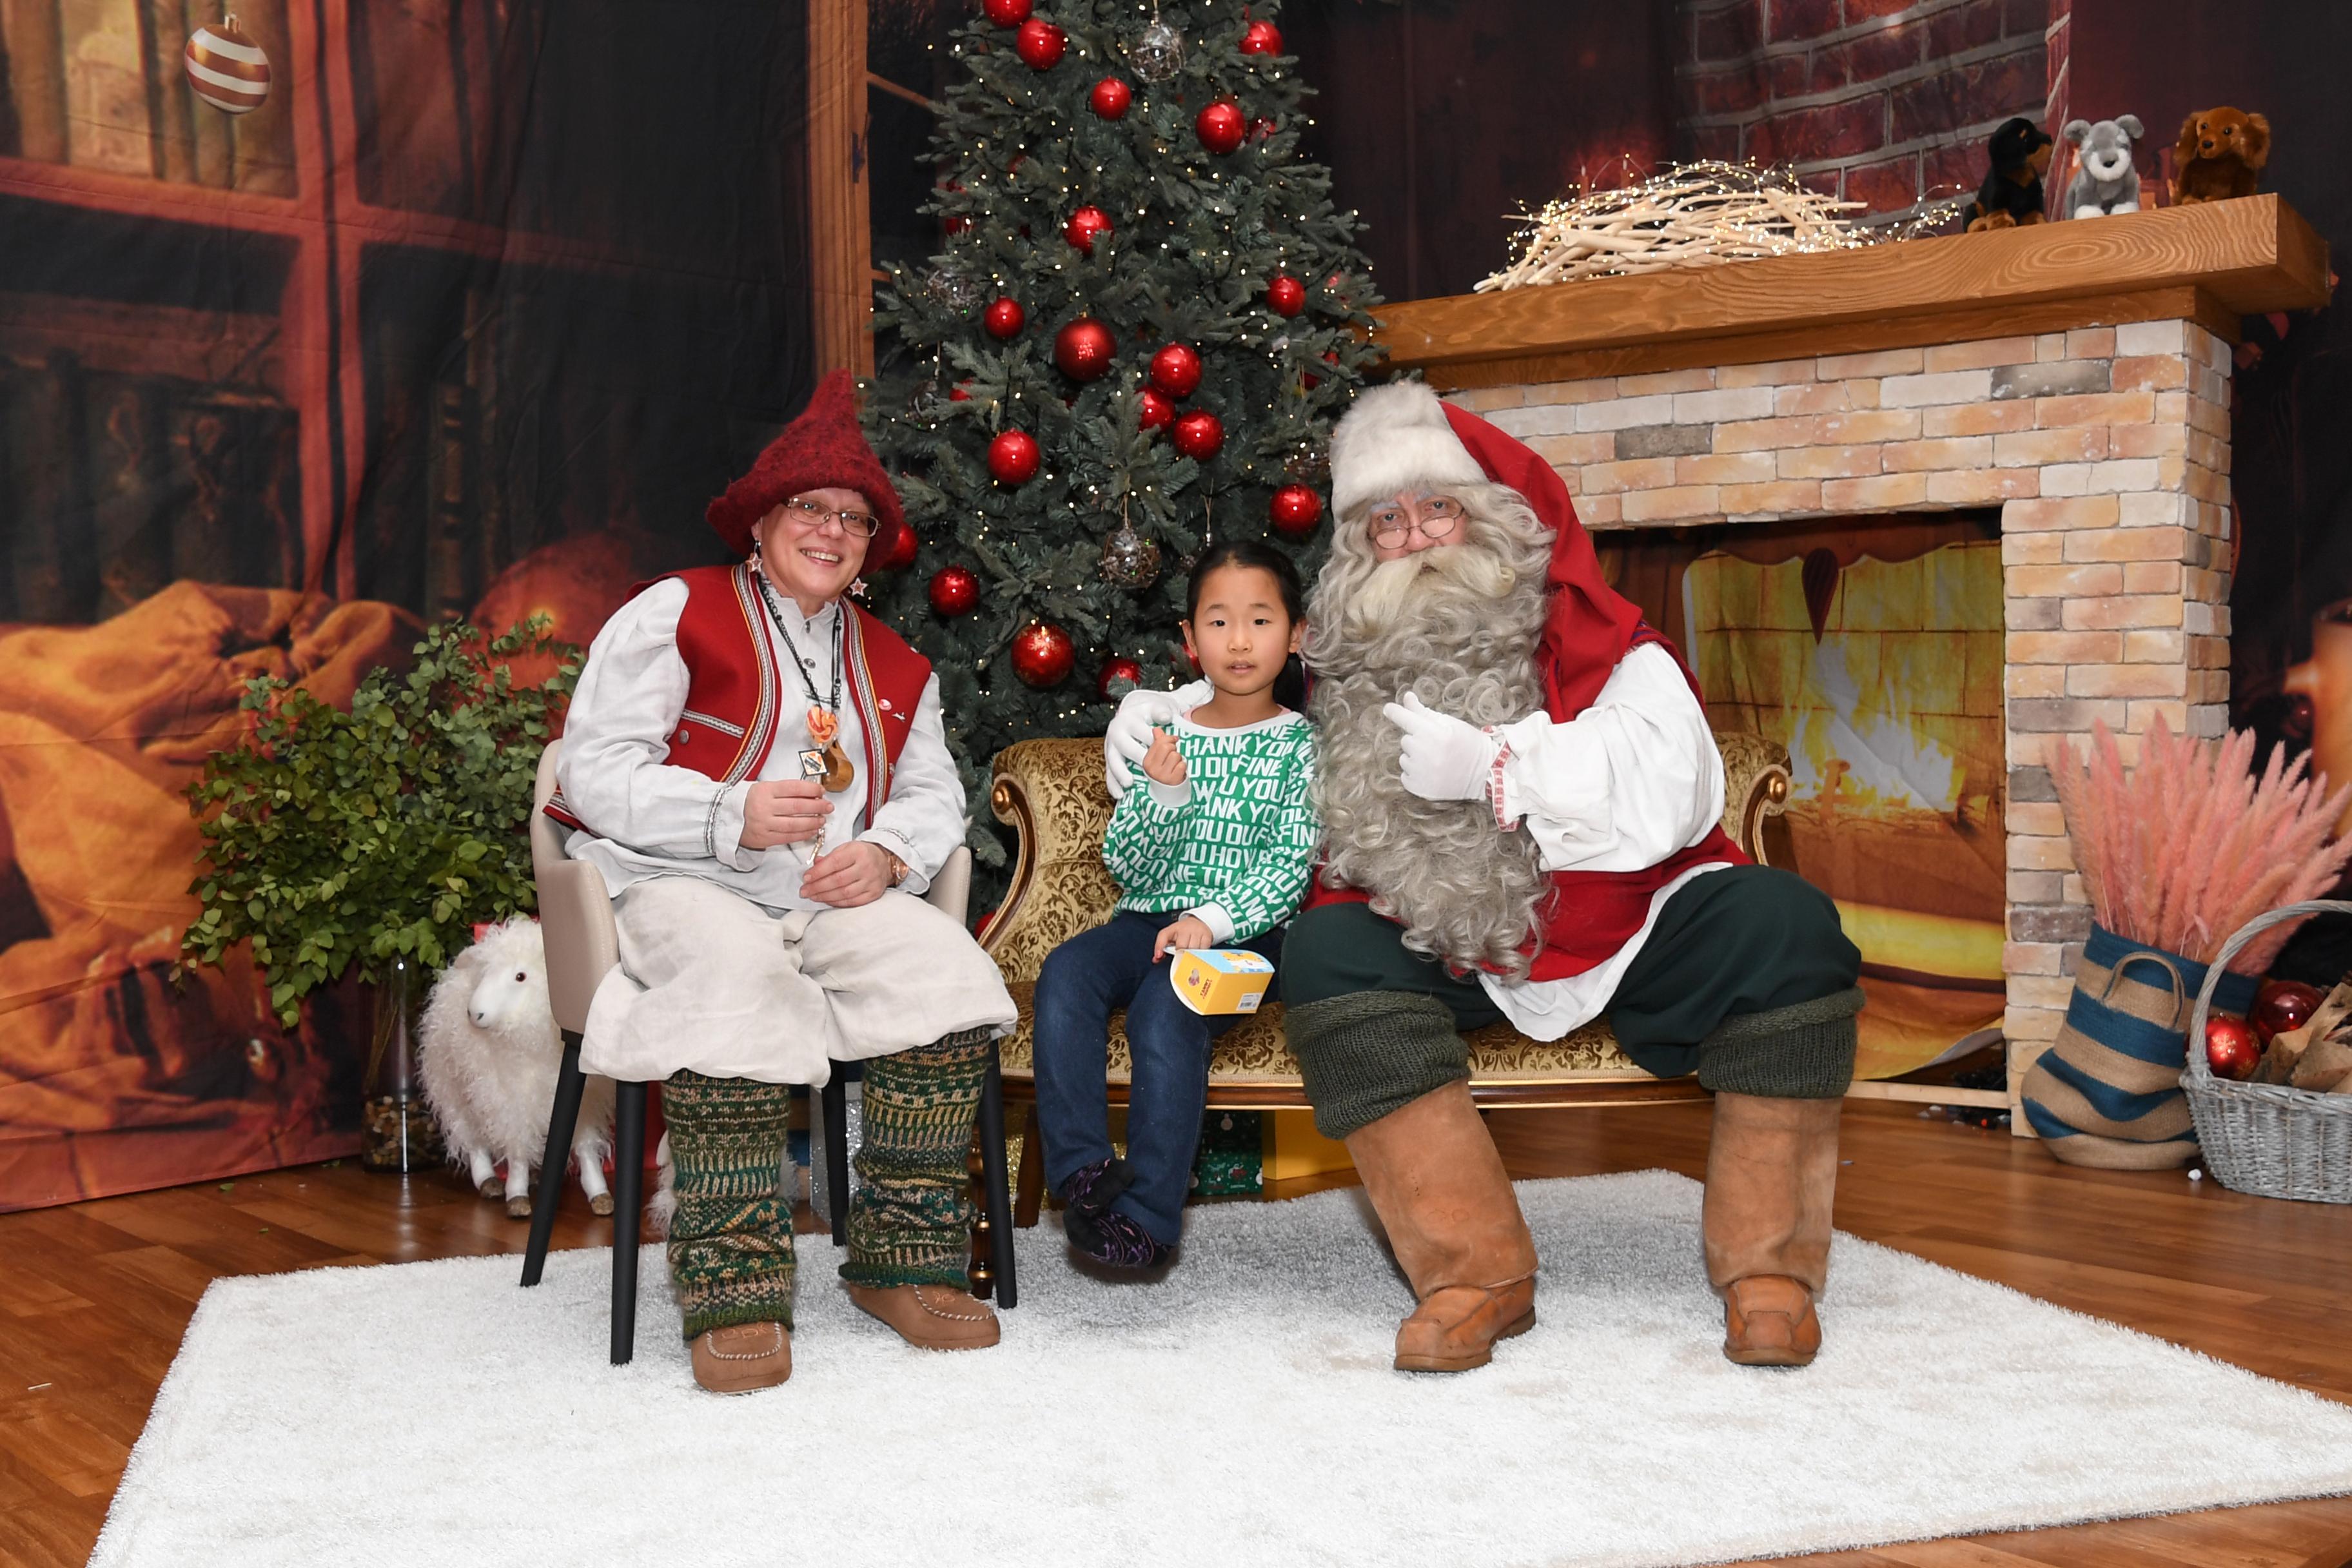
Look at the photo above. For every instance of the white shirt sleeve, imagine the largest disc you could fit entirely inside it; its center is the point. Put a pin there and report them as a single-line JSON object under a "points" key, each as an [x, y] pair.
{"points": [[1626, 782], [614, 771], [926, 817]]}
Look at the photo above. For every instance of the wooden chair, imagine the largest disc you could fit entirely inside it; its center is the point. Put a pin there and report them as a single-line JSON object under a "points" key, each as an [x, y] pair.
{"points": [[575, 916], [1051, 792]]}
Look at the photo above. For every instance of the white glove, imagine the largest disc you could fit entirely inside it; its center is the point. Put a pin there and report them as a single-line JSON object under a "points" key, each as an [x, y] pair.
{"points": [[1444, 759], [1130, 735]]}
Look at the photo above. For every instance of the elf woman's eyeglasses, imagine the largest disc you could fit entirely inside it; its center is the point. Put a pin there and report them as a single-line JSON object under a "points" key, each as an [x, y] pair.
{"points": [[864, 524]]}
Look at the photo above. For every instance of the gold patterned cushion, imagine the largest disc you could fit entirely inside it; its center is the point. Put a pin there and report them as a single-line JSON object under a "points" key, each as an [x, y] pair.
{"points": [[1252, 1052]]}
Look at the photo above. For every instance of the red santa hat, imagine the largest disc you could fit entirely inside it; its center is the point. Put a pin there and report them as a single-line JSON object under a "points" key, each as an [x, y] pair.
{"points": [[1401, 437], [820, 449]]}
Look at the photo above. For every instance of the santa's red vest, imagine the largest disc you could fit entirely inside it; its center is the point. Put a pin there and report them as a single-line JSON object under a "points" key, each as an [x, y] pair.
{"points": [[735, 693]]}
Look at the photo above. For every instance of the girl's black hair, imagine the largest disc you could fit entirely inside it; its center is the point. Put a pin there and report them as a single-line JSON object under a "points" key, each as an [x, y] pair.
{"points": [[1290, 686]]}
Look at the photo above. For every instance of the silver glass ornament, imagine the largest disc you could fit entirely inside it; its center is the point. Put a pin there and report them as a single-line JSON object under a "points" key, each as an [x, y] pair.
{"points": [[953, 286], [1158, 52], [1128, 560]]}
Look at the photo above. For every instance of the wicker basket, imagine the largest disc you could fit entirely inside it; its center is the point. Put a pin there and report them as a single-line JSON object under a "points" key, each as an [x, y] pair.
{"points": [[2268, 1139]]}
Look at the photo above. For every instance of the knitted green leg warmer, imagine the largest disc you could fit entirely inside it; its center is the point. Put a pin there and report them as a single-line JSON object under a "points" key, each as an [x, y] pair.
{"points": [[730, 1242], [911, 1217], [1365, 1054], [1804, 1051]]}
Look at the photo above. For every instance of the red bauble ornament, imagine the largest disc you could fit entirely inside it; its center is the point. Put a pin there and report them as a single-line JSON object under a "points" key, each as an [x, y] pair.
{"points": [[1156, 410], [1176, 369], [1261, 129], [1005, 317], [1110, 98], [1286, 295], [1086, 226], [1294, 508], [2232, 1047], [1262, 39], [960, 392], [1221, 128], [1007, 13], [1040, 43], [902, 552], [1118, 669], [1013, 458], [1199, 435], [1041, 653], [955, 223], [1083, 350], [2284, 1005], [954, 590]]}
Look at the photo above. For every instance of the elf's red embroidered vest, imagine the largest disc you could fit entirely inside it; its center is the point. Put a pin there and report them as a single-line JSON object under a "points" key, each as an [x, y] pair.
{"points": [[735, 692], [1590, 915]]}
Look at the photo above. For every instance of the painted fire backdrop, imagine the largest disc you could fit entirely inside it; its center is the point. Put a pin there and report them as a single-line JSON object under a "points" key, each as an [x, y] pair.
{"points": [[1873, 653]]}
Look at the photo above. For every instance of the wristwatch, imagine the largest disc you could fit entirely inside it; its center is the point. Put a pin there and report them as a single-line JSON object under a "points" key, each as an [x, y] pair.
{"points": [[898, 869]]}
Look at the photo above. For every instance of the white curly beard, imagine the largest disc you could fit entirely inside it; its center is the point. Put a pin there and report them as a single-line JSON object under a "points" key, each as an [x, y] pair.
{"points": [[1457, 624]]}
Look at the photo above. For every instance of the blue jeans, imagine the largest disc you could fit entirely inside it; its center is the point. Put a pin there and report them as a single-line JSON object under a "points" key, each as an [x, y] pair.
{"points": [[1084, 980]]}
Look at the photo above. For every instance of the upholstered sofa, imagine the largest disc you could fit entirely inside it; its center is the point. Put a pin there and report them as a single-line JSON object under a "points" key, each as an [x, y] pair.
{"points": [[1051, 792]]}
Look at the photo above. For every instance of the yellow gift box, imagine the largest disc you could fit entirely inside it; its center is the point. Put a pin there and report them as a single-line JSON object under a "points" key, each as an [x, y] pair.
{"points": [[1219, 979]]}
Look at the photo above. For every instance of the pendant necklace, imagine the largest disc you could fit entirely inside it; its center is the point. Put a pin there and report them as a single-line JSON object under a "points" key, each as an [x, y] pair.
{"points": [[826, 762]]}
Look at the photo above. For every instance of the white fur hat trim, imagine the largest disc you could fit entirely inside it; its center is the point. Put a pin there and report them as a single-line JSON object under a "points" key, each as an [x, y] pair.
{"points": [[1396, 438]]}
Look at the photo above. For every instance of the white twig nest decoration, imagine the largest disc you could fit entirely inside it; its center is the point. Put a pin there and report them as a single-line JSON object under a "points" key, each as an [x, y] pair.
{"points": [[1694, 215]]}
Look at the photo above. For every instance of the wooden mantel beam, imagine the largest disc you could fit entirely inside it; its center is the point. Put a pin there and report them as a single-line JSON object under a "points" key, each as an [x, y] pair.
{"points": [[2213, 262]]}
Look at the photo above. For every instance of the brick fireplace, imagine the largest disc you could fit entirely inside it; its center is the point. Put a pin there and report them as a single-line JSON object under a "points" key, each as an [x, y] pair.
{"points": [[2074, 376]]}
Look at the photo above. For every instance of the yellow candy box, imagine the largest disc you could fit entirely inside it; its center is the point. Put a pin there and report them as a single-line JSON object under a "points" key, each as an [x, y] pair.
{"points": [[1219, 979]]}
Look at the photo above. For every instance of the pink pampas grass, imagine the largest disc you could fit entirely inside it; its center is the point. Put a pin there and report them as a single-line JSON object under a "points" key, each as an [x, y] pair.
{"points": [[2190, 846]]}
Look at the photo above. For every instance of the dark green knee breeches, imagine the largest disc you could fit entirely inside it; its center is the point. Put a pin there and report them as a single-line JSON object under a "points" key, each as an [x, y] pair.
{"points": [[1745, 978]]}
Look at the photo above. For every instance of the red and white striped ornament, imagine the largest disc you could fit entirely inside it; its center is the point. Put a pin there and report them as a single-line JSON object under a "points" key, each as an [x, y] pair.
{"points": [[225, 69]]}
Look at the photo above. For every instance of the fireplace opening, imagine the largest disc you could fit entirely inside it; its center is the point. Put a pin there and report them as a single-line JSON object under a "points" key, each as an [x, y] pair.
{"points": [[1872, 648]]}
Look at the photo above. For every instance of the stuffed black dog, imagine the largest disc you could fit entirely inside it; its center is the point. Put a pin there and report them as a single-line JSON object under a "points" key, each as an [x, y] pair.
{"points": [[2011, 193]]}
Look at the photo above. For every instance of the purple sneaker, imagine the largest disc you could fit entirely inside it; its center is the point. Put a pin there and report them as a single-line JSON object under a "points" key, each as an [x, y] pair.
{"points": [[1100, 1232]]}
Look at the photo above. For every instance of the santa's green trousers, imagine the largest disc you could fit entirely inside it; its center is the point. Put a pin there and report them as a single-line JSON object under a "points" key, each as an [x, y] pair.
{"points": [[730, 1241], [1745, 979]]}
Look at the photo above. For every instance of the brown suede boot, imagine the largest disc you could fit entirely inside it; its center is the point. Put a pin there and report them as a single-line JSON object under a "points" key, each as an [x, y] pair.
{"points": [[1438, 1186], [1771, 1174]]}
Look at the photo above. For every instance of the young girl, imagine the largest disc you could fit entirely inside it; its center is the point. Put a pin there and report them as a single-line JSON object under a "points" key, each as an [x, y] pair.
{"points": [[1213, 850]]}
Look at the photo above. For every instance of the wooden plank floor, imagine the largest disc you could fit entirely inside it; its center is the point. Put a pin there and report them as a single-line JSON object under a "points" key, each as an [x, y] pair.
{"points": [[94, 1296]]}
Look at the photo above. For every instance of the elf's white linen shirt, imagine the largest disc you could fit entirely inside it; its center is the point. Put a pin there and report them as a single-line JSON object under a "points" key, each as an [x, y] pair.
{"points": [[725, 968], [656, 820]]}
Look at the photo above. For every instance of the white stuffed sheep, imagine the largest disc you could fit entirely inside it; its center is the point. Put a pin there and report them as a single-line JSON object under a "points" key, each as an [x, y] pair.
{"points": [[489, 1052]]}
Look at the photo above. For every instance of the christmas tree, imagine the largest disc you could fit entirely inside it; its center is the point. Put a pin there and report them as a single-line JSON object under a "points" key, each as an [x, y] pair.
{"points": [[1145, 319]]}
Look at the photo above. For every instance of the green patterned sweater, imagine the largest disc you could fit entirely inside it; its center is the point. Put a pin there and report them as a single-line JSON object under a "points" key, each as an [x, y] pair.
{"points": [[1234, 843]]}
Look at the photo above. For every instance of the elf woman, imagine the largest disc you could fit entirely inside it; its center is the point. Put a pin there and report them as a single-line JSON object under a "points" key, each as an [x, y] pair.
{"points": [[1213, 853], [759, 769]]}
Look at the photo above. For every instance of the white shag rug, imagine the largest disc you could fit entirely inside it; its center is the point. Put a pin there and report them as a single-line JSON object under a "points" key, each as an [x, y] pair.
{"points": [[1241, 1412]]}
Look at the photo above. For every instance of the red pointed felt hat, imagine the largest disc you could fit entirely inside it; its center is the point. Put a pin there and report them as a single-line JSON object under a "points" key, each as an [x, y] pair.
{"points": [[821, 447]]}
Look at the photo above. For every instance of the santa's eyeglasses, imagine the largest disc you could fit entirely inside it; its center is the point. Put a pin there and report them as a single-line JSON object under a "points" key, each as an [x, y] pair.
{"points": [[864, 524], [1436, 517]]}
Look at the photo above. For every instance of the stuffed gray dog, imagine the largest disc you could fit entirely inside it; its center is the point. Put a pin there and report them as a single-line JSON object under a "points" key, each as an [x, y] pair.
{"points": [[2105, 182]]}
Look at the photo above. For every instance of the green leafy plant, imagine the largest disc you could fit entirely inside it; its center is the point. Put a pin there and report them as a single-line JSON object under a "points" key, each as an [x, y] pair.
{"points": [[335, 839]]}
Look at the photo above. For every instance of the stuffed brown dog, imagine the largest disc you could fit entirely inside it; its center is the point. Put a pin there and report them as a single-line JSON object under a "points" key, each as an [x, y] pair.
{"points": [[2221, 153]]}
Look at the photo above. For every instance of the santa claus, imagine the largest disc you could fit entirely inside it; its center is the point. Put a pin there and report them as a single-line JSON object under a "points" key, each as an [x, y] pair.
{"points": [[1521, 803]]}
